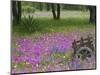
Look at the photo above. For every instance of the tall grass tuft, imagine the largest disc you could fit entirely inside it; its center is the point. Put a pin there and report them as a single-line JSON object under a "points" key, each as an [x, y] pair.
{"points": [[30, 24]]}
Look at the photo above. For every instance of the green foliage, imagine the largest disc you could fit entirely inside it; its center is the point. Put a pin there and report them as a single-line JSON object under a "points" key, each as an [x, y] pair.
{"points": [[74, 7], [28, 9], [29, 24]]}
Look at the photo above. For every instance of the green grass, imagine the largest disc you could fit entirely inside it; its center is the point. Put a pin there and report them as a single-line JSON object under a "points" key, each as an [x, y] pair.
{"points": [[49, 25]]}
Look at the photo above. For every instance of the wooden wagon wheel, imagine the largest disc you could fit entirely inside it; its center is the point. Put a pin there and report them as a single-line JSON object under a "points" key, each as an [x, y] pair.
{"points": [[84, 53]]}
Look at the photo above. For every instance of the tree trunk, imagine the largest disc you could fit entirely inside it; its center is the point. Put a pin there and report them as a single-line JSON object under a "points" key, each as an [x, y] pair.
{"points": [[92, 10], [48, 6], [14, 10], [58, 11], [41, 6], [53, 11], [19, 11]]}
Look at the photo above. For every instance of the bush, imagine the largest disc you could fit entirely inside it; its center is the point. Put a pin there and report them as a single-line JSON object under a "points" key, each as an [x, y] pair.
{"points": [[30, 24], [28, 9]]}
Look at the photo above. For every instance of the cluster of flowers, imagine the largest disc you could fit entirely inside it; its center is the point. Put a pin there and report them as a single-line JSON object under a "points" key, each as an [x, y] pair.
{"points": [[35, 52]]}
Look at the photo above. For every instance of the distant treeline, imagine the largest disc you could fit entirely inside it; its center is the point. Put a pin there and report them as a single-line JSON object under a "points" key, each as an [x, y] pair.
{"points": [[20, 7], [47, 6]]}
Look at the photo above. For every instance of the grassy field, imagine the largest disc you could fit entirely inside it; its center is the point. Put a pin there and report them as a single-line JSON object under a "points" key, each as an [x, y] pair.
{"points": [[73, 21]]}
